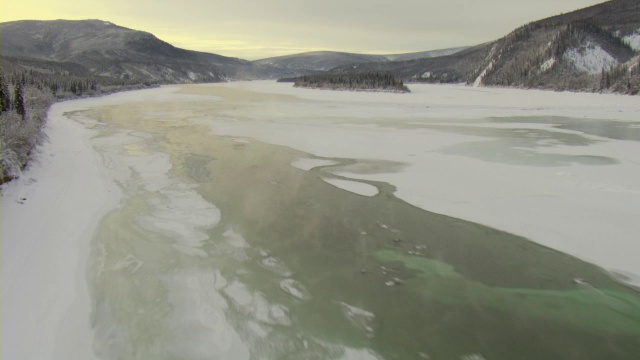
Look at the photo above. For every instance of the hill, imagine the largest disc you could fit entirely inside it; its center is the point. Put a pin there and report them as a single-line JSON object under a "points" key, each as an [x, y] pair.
{"points": [[319, 61], [453, 68], [574, 51], [101, 48], [592, 49], [424, 54]]}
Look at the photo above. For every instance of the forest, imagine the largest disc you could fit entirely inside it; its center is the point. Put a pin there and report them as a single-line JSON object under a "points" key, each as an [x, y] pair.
{"points": [[353, 82]]}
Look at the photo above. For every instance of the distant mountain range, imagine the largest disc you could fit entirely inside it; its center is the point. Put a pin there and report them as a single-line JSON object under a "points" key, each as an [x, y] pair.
{"points": [[326, 60], [591, 49]]}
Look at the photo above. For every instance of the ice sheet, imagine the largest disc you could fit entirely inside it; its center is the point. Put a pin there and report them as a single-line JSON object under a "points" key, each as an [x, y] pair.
{"points": [[586, 210]]}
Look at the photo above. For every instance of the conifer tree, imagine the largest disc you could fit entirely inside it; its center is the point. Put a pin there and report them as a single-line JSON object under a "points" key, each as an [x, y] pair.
{"points": [[5, 98], [18, 100]]}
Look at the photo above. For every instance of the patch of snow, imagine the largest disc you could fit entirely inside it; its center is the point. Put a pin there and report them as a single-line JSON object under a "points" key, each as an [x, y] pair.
{"points": [[590, 58], [355, 187], [478, 81], [182, 214], [276, 266], [359, 354], [484, 72], [358, 317], [547, 64], [198, 323], [295, 289], [472, 357], [633, 40], [234, 239]]}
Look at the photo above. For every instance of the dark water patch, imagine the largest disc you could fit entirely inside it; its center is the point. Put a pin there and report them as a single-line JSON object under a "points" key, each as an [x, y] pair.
{"points": [[364, 166], [332, 248]]}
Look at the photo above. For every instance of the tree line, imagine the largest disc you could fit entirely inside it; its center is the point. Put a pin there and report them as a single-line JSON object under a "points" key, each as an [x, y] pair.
{"points": [[25, 98], [355, 82]]}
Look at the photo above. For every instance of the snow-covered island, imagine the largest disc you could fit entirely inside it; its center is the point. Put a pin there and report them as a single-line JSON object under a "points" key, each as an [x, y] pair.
{"points": [[375, 82]]}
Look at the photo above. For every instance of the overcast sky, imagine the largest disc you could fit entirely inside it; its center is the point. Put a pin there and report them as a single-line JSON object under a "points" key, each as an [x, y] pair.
{"points": [[253, 29]]}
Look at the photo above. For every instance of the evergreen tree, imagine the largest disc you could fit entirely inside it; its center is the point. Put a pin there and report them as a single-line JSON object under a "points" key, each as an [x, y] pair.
{"points": [[5, 98], [18, 100]]}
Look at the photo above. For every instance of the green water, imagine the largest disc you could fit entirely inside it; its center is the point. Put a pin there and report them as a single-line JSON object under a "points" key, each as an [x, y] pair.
{"points": [[422, 285]]}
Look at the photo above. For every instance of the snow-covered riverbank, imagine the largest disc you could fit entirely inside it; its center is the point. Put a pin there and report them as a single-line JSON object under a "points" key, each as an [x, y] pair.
{"points": [[48, 218]]}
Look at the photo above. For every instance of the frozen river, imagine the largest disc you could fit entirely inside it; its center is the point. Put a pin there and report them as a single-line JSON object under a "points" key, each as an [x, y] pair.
{"points": [[253, 220]]}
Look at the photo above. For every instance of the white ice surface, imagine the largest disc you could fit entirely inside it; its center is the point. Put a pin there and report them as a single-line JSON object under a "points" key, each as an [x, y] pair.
{"points": [[198, 324], [587, 211], [355, 187]]}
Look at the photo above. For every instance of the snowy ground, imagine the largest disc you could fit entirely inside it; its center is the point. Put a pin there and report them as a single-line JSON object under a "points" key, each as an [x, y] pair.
{"points": [[47, 217]]}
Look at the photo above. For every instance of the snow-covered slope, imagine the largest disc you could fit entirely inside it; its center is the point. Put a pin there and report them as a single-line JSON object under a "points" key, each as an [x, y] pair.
{"points": [[590, 58], [633, 40]]}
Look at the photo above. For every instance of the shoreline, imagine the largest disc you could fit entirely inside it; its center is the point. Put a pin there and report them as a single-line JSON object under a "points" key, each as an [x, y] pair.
{"points": [[45, 288]]}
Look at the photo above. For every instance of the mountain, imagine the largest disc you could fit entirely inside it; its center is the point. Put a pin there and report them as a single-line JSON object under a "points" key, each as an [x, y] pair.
{"points": [[319, 61], [592, 49], [575, 51], [101, 48], [453, 68], [424, 54]]}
